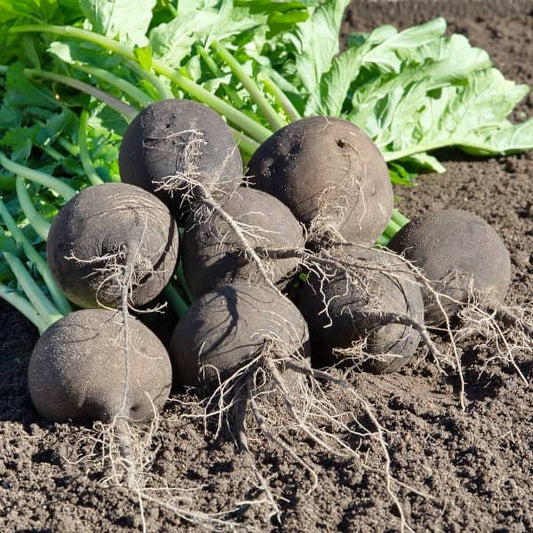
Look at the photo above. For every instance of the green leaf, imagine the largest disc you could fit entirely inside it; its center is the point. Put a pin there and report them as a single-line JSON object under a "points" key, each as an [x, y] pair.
{"points": [[202, 22], [413, 44], [20, 141], [127, 20], [329, 97], [471, 116], [143, 55], [29, 10], [55, 126], [423, 162], [21, 93], [316, 42]]}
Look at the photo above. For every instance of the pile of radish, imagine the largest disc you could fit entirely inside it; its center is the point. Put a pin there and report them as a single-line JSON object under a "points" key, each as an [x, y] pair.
{"points": [[276, 268]]}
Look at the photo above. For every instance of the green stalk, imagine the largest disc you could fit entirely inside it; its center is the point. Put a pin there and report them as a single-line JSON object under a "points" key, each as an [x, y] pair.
{"points": [[276, 122], [247, 145], [396, 223], [55, 184], [429, 147], [72, 149], [234, 98], [171, 8], [399, 218], [164, 92], [249, 126], [42, 267], [209, 61], [176, 300], [52, 152], [85, 158], [125, 86], [392, 228], [35, 295], [38, 223], [280, 97], [382, 240], [124, 109], [23, 306]]}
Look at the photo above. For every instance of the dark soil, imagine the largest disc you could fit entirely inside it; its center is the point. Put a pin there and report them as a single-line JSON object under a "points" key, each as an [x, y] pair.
{"points": [[469, 470]]}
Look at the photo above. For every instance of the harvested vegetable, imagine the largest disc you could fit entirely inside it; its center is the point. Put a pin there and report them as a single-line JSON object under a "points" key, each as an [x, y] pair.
{"points": [[389, 97], [78, 370], [213, 254], [462, 257], [330, 174], [368, 317], [110, 236], [227, 328], [174, 145]]}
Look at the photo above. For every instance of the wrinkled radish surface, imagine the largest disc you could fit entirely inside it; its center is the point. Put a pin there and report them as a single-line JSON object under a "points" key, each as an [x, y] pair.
{"points": [[459, 253], [343, 312], [180, 137]]}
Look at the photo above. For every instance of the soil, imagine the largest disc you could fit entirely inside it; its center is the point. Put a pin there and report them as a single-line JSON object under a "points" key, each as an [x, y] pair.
{"points": [[456, 470]]}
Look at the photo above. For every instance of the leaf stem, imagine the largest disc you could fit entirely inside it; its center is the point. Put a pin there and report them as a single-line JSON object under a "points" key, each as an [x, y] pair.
{"points": [[276, 122], [85, 158], [162, 90], [399, 218], [248, 125], [247, 145], [125, 86], [24, 306], [396, 223], [119, 106], [214, 68], [36, 296], [53, 183], [38, 223], [280, 97], [55, 292]]}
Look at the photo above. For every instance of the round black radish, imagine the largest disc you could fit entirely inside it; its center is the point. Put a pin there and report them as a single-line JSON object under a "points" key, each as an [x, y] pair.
{"points": [[460, 254], [77, 370], [330, 174], [227, 327], [344, 311], [175, 140], [213, 252], [109, 235]]}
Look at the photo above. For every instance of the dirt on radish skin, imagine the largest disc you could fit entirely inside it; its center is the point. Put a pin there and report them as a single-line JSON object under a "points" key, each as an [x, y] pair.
{"points": [[225, 328], [330, 174], [346, 312], [103, 229], [78, 369], [462, 257], [213, 254], [180, 140]]}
